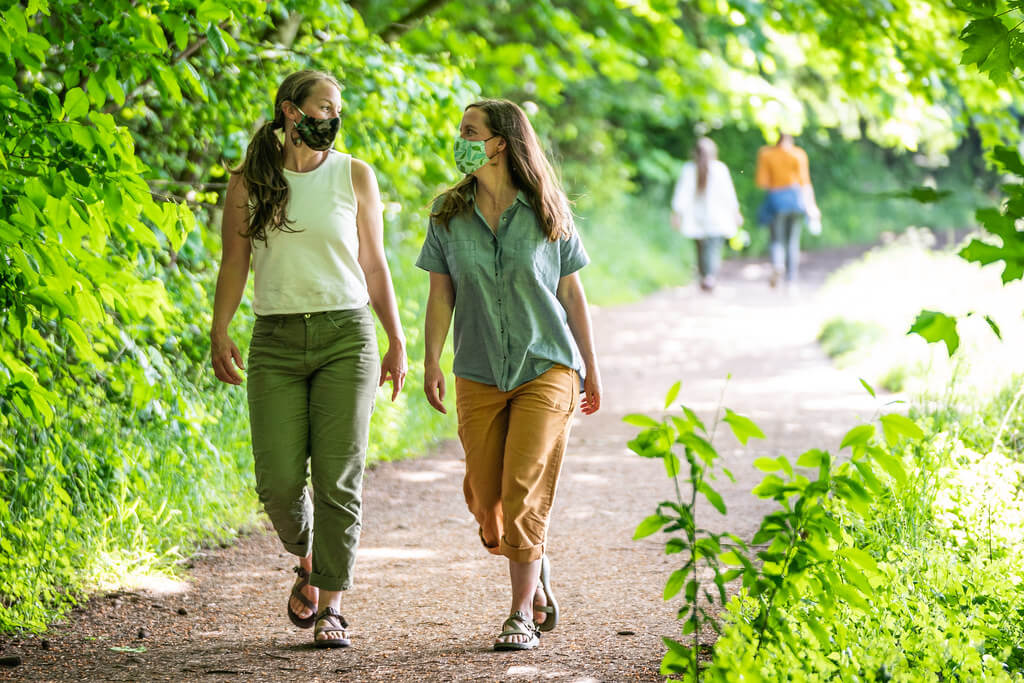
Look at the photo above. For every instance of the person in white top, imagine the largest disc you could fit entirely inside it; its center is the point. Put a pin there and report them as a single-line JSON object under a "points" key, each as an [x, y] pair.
{"points": [[310, 221], [705, 208]]}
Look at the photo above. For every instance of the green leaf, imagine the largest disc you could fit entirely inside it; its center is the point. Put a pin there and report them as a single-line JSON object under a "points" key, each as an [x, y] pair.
{"points": [[769, 487], [767, 464], [638, 420], [988, 46], [678, 659], [76, 104], [120, 648], [730, 557], [892, 465], [861, 558], [995, 328], [211, 10], [812, 458], [674, 584], [858, 436], [713, 496], [672, 393], [166, 80], [868, 387], [671, 464], [981, 8], [895, 426], [213, 34], [649, 526], [743, 427], [675, 545], [692, 417], [934, 327], [704, 450], [1009, 159]]}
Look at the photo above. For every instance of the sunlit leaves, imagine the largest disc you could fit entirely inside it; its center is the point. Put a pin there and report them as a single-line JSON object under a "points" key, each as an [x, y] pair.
{"points": [[934, 326], [896, 426], [743, 427], [988, 46]]}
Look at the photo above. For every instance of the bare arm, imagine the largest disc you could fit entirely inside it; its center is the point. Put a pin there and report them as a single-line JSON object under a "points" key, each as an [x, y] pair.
{"points": [[231, 278], [440, 305], [370, 224], [572, 297]]}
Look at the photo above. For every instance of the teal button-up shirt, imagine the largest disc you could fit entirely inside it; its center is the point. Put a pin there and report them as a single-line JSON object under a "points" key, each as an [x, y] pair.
{"points": [[509, 324]]}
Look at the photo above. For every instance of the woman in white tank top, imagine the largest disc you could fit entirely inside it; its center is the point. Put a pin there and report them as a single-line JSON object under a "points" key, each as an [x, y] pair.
{"points": [[309, 220]]}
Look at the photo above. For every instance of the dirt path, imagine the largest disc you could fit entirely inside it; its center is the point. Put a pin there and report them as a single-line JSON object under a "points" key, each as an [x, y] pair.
{"points": [[428, 600]]}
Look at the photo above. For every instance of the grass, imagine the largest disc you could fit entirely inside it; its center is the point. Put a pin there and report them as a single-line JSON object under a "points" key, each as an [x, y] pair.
{"points": [[876, 299]]}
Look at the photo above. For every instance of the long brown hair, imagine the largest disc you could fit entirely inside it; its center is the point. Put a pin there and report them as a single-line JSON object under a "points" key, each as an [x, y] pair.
{"points": [[705, 152], [529, 167], [263, 167]]}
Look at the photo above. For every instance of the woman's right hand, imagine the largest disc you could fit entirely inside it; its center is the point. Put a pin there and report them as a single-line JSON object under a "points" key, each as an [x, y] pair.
{"points": [[433, 386], [226, 357]]}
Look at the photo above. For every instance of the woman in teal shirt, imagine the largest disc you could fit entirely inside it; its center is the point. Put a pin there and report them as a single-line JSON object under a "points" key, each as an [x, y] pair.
{"points": [[503, 256]]}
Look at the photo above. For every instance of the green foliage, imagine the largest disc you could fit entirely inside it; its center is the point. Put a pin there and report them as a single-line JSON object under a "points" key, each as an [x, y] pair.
{"points": [[633, 250], [853, 576], [935, 327], [840, 337], [703, 551], [1003, 241]]}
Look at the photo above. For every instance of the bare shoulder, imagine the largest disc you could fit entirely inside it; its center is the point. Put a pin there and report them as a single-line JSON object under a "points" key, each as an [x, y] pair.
{"points": [[237, 193], [363, 177], [237, 186]]}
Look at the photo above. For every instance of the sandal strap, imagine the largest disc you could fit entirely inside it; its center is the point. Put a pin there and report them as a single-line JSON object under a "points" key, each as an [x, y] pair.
{"points": [[546, 609], [299, 585], [518, 625], [335, 622]]}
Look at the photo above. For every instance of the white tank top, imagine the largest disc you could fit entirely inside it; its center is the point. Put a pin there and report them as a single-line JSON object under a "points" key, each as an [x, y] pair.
{"points": [[316, 268]]}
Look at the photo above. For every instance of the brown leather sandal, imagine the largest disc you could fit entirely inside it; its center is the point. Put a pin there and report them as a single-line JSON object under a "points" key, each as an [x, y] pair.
{"points": [[329, 620], [301, 583]]}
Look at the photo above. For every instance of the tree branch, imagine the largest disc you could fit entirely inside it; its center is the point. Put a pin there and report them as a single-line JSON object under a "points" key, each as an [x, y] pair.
{"points": [[184, 54], [395, 29]]}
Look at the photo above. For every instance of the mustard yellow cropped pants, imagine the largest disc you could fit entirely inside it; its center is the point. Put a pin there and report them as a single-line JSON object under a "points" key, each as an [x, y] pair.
{"points": [[514, 443]]}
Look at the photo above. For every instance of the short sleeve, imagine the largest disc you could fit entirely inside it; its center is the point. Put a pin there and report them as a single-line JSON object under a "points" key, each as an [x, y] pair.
{"points": [[572, 255], [431, 256], [803, 171], [763, 177]]}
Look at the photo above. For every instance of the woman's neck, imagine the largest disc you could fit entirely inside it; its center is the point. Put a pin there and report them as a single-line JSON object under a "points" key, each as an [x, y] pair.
{"points": [[494, 185], [302, 159]]}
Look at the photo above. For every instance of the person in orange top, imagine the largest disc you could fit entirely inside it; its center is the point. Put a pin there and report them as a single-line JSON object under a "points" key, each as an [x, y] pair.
{"points": [[783, 171]]}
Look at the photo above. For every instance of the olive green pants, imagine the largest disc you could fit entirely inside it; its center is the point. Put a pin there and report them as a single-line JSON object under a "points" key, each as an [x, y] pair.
{"points": [[312, 380]]}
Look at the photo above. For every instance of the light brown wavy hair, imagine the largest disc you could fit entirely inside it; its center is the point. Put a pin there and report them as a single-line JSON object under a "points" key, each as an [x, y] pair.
{"points": [[529, 167], [705, 151], [262, 169]]}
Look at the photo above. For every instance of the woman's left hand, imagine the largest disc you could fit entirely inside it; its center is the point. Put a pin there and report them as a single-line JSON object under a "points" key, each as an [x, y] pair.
{"points": [[591, 392], [395, 366]]}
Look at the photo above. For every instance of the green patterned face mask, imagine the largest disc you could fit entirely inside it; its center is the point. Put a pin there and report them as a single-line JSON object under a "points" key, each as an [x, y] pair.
{"points": [[470, 155]]}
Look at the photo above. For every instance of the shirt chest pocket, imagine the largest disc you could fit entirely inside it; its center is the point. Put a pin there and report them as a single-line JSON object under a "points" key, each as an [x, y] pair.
{"points": [[539, 261], [461, 258]]}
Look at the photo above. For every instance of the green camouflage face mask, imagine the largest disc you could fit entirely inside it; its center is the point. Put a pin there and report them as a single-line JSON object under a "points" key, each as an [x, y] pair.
{"points": [[470, 155], [318, 134]]}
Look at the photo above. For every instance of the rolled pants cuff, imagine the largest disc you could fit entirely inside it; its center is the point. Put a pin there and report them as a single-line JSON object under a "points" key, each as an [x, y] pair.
{"points": [[514, 554], [329, 583], [298, 549]]}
